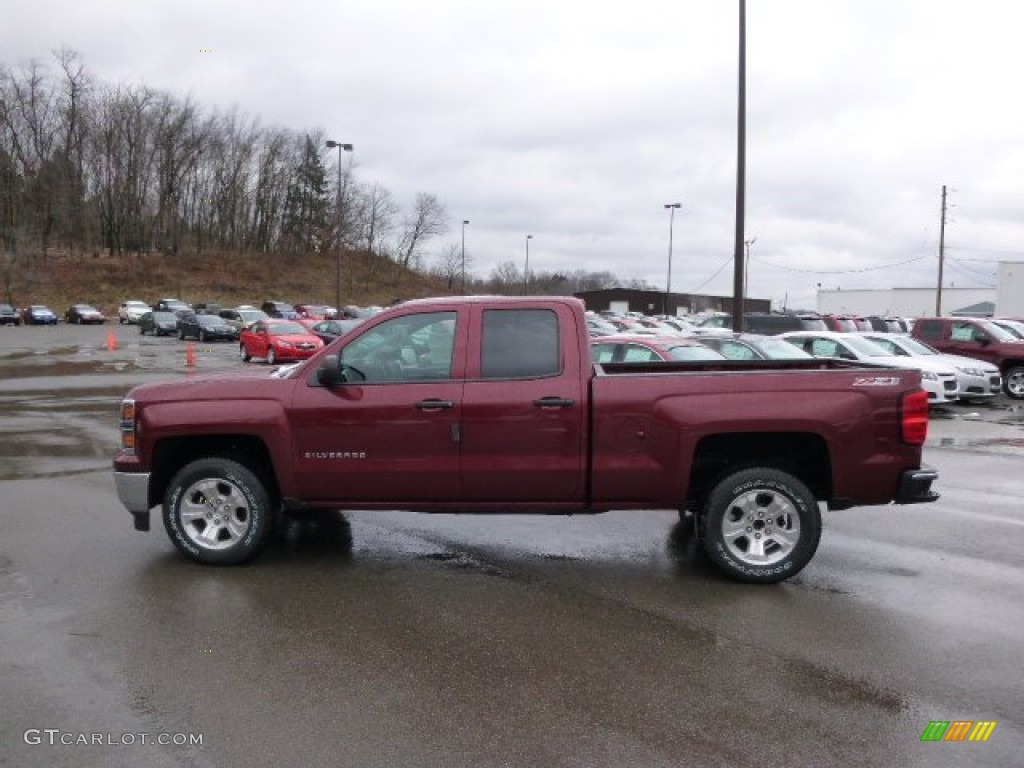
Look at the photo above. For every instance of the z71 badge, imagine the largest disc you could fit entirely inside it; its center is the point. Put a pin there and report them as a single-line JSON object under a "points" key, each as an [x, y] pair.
{"points": [[877, 381]]}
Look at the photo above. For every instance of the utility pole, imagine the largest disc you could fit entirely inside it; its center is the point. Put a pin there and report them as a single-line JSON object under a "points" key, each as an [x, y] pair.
{"points": [[942, 254], [738, 277]]}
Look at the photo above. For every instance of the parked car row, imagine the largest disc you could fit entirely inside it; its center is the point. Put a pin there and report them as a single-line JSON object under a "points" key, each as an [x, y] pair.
{"points": [[945, 378]]}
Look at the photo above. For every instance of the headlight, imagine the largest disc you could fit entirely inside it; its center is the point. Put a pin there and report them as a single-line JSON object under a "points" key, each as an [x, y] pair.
{"points": [[971, 371], [284, 344], [929, 376], [128, 414]]}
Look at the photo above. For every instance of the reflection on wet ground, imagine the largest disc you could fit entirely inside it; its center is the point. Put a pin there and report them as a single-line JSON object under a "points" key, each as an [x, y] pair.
{"points": [[60, 389], [406, 628]]}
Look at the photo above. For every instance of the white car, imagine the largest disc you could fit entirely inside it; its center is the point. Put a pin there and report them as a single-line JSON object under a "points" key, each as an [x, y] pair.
{"points": [[978, 379], [131, 311], [939, 380]]}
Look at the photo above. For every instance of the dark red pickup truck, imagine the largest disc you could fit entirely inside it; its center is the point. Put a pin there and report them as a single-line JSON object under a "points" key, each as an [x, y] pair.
{"points": [[494, 405], [978, 338]]}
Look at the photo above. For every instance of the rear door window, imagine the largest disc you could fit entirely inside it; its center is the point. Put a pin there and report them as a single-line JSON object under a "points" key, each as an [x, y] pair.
{"points": [[520, 343]]}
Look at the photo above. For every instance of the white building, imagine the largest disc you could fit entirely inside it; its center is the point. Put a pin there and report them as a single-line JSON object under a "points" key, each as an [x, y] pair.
{"points": [[910, 302], [1010, 289]]}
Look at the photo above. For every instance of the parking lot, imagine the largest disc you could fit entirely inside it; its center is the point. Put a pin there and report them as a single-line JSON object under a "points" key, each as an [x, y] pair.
{"points": [[394, 639]]}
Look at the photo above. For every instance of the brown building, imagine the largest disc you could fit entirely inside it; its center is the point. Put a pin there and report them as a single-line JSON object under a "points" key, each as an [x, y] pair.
{"points": [[654, 302]]}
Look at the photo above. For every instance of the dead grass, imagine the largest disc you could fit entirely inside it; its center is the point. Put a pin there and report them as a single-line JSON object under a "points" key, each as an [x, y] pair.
{"points": [[226, 278]]}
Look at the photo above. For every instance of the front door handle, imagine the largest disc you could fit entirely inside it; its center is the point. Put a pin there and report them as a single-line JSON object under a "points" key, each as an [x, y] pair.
{"points": [[434, 404], [554, 402]]}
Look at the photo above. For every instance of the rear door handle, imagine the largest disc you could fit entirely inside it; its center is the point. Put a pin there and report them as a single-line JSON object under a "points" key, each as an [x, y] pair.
{"points": [[554, 402], [434, 404]]}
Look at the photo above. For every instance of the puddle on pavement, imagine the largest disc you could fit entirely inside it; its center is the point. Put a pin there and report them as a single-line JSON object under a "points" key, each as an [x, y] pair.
{"points": [[73, 368], [27, 352], [981, 442]]}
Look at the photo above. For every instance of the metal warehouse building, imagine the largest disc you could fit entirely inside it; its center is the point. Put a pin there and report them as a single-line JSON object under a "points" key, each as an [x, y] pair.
{"points": [[658, 303]]}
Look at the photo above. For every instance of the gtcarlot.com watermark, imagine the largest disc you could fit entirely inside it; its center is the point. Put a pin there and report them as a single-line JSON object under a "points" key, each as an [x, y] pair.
{"points": [[56, 737]]}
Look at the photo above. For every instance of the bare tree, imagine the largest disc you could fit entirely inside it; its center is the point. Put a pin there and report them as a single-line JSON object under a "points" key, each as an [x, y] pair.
{"points": [[427, 220], [376, 211], [506, 279], [448, 266]]}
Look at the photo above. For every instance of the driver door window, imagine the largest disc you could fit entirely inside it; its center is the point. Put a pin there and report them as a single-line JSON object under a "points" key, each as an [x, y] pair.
{"points": [[407, 348]]}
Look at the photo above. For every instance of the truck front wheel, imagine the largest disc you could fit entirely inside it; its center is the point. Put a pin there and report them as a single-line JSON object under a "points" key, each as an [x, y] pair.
{"points": [[1013, 382], [761, 525], [217, 511]]}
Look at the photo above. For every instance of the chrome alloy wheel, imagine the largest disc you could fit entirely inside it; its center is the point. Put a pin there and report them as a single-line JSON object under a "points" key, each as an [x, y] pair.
{"points": [[761, 527], [215, 513]]}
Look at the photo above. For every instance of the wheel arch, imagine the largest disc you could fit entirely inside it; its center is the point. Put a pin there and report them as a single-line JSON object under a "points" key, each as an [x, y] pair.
{"points": [[173, 453], [1007, 367], [805, 455]]}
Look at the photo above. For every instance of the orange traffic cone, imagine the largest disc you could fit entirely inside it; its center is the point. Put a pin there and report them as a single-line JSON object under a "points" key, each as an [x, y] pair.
{"points": [[190, 356], [111, 341]]}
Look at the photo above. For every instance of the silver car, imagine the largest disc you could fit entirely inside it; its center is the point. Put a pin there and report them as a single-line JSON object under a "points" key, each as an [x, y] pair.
{"points": [[977, 379]]}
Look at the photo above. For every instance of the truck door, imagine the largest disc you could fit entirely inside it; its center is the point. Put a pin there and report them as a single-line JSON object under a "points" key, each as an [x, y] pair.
{"points": [[390, 431], [524, 406], [970, 339]]}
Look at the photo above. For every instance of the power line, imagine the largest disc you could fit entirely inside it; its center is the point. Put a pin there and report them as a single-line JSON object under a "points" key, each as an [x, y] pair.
{"points": [[983, 250], [842, 271], [725, 263]]}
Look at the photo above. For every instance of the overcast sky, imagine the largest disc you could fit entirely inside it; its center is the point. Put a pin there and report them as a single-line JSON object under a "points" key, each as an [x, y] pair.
{"points": [[577, 122]]}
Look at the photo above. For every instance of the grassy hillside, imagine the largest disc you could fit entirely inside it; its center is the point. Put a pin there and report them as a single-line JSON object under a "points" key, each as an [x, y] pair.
{"points": [[230, 279]]}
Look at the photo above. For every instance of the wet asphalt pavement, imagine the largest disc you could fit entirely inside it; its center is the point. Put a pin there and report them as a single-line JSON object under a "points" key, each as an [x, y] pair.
{"points": [[390, 639]]}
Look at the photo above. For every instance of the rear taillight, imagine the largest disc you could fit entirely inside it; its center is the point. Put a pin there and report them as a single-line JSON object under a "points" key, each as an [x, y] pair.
{"points": [[914, 417], [128, 426]]}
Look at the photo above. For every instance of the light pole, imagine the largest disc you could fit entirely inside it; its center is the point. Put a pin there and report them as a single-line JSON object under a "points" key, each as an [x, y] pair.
{"points": [[331, 144], [672, 207], [526, 272], [746, 265], [464, 223]]}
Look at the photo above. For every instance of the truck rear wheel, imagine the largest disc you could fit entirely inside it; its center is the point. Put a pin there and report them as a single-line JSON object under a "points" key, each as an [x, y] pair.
{"points": [[761, 525], [1013, 382], [217, 511]]}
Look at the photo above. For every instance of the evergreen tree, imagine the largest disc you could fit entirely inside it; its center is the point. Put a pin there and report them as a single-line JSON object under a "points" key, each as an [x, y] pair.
{"points": [[307, 205]]}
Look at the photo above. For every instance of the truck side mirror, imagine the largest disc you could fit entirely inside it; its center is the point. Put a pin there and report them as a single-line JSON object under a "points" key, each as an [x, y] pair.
{"points": [[328, 374], [984, 341]]}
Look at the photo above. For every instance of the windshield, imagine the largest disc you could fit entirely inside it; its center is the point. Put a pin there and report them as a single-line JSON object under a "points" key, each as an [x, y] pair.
{"points": [[997, 333], [777, 349], [282, 329], [694, 353], [165, 317], [865, 348], [913, 346]]}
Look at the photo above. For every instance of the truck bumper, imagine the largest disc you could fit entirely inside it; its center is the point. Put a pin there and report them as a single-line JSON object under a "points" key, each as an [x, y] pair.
{"points": [[133, 491], [916, 486]]}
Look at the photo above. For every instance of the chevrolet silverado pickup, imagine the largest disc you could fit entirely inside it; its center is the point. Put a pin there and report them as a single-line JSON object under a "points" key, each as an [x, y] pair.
{"points": [[493, 405], [978, 338]]}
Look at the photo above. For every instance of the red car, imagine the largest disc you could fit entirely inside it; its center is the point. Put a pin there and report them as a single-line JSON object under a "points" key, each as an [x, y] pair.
{"points": [[277, 340], [84, 314], [626, 348]]}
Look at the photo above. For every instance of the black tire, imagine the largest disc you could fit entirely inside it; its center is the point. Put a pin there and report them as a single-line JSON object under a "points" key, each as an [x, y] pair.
{"points": [[217, 512], [271, 356], [246, 357], [202, 335], [181, 334], [761, 525], [1013, 382], [142, 331]]}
